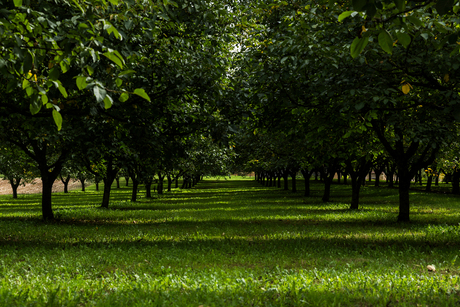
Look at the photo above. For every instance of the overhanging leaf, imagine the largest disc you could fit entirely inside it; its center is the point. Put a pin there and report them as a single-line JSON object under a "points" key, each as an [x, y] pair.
{"points": [[141, 92], [358, 45], [57, 119], [345, 15], [108, 102], [403, 38], [17, 3], [81, 82], [123, 97], [386, 42], [114, 58], [99, 93]]}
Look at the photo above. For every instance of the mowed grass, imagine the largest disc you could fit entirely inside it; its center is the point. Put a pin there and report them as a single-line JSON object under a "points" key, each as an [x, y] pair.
{"points": [[230, 243]]}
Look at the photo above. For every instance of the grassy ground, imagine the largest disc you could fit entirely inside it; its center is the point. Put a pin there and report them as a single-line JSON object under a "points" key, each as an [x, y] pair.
{"points": [[230, 243]]}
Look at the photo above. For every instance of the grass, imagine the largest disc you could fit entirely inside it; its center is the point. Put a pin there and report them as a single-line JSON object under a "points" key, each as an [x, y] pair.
{"points": [[230, 243]]}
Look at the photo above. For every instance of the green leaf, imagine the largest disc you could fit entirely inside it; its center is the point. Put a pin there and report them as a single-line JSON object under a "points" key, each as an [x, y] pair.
{"points": [[57, 119], [386, 42], [345, 15], [64, 66], [123, 97], [35, 107], [115, 58], [444, 6], [358, 5], [108, 102], [142, 93], [119, 82], [358, 45], [114, 2], [126, 72], [81, 82], [400, 5], [17, 3], [44, 99], [403, 38], [359, 106], [417, 22], [99, 93], [25, 83], [90, 70], [62, 90]]}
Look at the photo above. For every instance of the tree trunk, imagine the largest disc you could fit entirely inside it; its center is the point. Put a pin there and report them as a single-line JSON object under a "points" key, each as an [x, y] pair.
{"points": [[328, 176], [169, 183], [66, 183], [47, 188], [109, 178], [306, 175], [135, 190], [106, 195], [127, 180], [355, 187], [428, 183], [293, 174], [14, 186], [455, 182], [117, 179], [378, 172], [285, 180], [160, 183], [404, 204], [82, 181]]}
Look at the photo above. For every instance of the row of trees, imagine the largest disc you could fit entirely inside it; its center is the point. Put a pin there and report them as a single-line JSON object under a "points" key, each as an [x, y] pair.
{"points": [[97, 87], [150, 86], [350, 86]]}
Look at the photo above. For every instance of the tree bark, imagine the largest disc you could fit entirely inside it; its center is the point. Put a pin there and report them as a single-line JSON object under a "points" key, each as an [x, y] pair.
{"points": [[82, 181], [455, 182], [109, 178], [355, 187], [47, 188], [404, 204], [169, 183], [135, 190], [306, 175], [66, 183], [285, 179], [15, 182], [327, 176], [428, 183]]}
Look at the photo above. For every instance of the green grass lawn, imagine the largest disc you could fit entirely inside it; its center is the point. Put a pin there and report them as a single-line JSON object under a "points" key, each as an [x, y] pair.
{"points": [[230, 243]]}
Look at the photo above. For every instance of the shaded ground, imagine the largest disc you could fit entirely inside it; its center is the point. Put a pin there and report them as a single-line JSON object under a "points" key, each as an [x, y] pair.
{"points": [[36, 187]]}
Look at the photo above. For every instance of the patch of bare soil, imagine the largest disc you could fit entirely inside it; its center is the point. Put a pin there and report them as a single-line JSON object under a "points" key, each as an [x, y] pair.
{"points": [[36, 187]]}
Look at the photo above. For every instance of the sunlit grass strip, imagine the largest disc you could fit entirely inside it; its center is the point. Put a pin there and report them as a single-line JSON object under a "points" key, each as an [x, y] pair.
{"points": [[244, 244]]}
